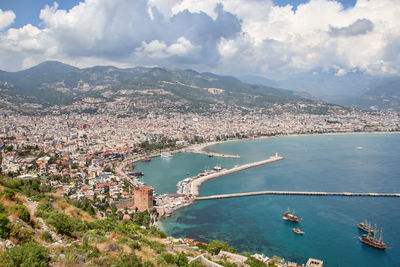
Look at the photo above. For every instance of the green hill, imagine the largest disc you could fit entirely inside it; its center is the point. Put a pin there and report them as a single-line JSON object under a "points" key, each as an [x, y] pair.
{"points": [[41, 88]]}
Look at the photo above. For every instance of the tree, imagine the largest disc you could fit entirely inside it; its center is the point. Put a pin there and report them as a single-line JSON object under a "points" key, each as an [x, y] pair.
{"points": [[5, 226], [26, 255], [214, 247]]}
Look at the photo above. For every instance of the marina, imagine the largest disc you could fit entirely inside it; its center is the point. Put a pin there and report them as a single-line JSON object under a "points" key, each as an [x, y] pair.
{"points": [[329, 171]]}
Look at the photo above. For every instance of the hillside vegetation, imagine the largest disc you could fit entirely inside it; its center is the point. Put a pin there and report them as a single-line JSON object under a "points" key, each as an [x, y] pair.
{"points": [[43, 230]]}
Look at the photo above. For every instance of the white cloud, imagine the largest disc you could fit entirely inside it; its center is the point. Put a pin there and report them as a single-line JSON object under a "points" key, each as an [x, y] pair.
{"points": [[158, 50], [6, 18], [227, 36]]}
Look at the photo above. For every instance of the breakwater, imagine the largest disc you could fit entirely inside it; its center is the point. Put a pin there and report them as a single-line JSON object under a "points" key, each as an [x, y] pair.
{"points": [[345, 194], [193, 186], [213, 154]]}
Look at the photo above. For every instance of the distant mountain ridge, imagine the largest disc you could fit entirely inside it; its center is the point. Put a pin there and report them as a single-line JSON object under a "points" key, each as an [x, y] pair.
{"points": [[54, 83]]}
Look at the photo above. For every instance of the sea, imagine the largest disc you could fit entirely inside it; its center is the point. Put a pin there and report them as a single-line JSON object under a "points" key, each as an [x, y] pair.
{"points": [[329, 163]]}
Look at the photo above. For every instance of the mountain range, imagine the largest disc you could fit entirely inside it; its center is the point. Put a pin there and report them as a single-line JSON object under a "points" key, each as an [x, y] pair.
{"points": [[53, 85], [56, 87], [355, 89]]}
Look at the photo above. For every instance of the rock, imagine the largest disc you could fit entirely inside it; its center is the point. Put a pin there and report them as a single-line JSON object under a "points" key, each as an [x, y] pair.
{"points": [[9, 244], [114, 247]]}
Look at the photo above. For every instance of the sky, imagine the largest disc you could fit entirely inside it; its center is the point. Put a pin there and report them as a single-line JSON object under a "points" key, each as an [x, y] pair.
{"points": [[270, 38]]}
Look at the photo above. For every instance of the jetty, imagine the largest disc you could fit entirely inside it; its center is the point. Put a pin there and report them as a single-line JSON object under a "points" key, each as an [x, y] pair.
{"points": [[213, 154], [300, 193], [194, 185]]}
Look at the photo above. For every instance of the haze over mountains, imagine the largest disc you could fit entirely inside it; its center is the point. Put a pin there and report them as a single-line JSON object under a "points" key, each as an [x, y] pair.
{"points": [[352, 90]]}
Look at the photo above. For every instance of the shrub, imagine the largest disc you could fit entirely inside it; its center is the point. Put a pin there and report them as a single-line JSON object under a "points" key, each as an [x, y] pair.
{"points": [[134, 245], [46, 236], [5, 226], [26, 255], [181, 259], [2, 208], [163, 235], [130, 260], [21, 233], [61, 222], [9, 193], [254, 262], [168, 258], [22, 211], [157, 246], [148, 264]]}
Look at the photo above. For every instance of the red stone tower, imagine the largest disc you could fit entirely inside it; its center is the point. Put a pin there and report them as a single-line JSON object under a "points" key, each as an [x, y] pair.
{"points": [[143, 197]]}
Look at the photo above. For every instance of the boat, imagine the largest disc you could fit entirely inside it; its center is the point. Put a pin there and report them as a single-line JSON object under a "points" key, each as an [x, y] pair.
{"points": [[145, 160], [217, 167], [137, 173], [366, 227], [288, 216], [166, 155], [371, 239], [298, 231]]}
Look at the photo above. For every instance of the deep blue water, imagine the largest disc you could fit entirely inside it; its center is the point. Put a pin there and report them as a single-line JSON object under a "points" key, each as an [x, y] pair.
{"points": [[312, 163]]}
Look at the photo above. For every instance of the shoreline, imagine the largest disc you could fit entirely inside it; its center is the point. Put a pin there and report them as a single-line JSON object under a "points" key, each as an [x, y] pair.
{"points": [[203, 146]]}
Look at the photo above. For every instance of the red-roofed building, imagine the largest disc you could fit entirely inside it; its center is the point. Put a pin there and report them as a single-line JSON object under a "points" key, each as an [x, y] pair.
{"points": [[188, 240]]}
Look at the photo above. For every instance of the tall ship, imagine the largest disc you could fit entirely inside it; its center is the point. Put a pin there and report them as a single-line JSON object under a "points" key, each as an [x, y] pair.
{"points": [[366, 226], [371, 239], [289, 216]]}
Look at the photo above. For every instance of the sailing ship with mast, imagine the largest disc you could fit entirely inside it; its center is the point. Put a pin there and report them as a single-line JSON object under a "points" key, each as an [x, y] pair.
{"points": [[366, 226], [289, 216], [373, 240]]}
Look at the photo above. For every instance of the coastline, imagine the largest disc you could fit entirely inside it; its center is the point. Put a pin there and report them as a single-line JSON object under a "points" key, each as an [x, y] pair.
{"points": [[203, 146]]}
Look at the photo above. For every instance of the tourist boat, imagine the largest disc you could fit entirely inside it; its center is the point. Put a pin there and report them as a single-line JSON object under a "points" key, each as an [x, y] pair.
{"points": [[145, 160], [287, 216], [371, 239], [166, 155], [298, 231], [365, 226], [137, 173], [217, 167]]}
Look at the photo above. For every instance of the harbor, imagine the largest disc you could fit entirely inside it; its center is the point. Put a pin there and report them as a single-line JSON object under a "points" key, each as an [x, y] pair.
{"points": [[192, 188], [312, 164], [188, 188]]}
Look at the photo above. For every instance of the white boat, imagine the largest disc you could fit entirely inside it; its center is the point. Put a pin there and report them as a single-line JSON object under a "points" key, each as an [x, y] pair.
{"points": [[166, 155], [217, 167]]}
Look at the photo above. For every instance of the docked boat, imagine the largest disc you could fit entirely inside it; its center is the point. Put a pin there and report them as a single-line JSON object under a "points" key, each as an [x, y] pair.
{"points": [[298, 231], [166, 155], [217, 167], [145, 160], [137, 173], [371, 239], [289, 216], [366, 226]]}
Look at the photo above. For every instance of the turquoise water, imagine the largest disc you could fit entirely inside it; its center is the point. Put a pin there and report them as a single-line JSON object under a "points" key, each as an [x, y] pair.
{"points": [[312, 163]]}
